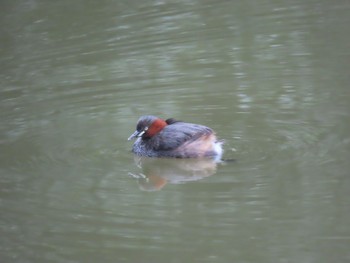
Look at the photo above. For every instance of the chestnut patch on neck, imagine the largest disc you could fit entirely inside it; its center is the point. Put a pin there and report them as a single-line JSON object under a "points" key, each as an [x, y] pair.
{"points": [[155, 127]]}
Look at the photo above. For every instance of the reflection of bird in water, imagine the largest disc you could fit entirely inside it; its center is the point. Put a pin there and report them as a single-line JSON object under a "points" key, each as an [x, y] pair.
{"points": [[171, 138], [158, 172]]}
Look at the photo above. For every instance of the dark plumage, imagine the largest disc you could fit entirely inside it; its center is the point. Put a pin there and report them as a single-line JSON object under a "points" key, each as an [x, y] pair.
{"points": [[172, 138]]}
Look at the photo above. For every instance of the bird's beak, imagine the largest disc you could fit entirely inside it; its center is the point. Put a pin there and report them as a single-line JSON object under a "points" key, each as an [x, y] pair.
{"points": [[136, 134]]}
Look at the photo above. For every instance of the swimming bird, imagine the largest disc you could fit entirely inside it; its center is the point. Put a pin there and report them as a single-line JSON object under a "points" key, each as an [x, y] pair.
{"points": [[156, 137]]}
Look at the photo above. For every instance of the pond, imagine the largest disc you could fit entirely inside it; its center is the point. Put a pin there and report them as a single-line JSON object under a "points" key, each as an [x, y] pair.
{"points": [[270, 77]]}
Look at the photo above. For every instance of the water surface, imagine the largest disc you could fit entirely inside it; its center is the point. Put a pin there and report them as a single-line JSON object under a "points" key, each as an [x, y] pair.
{"points": [[271, 78]]}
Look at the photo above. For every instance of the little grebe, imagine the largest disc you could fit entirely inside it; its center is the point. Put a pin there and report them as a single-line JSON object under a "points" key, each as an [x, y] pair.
{"points": [[176, 139]]}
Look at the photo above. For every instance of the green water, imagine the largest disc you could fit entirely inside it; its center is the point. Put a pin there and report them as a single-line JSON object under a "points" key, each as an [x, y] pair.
{"points": [[270, 77]]}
